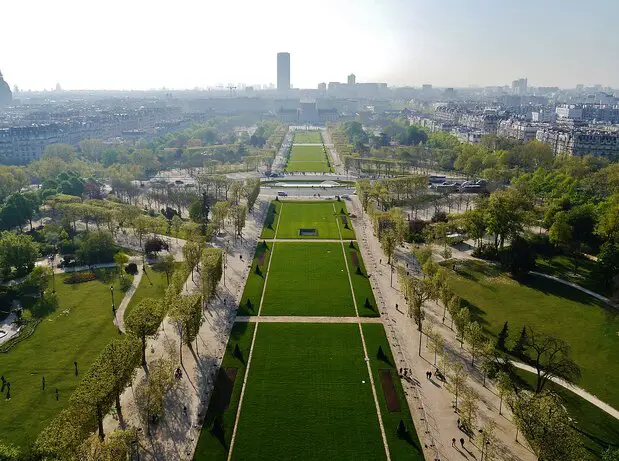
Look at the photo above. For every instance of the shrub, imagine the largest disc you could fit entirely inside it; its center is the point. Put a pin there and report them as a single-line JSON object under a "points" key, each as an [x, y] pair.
{"points": [[80, 277], [125, 284], [131, 268], [155, 245], [487, 252]]}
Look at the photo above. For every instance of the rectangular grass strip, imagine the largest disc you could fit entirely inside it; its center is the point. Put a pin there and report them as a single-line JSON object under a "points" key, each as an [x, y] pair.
{"points": [[308, 397]]}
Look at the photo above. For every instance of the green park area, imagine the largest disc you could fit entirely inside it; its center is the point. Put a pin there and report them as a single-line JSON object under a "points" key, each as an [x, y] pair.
{"points": [[308, 158], [589, 326], [74, 328], [597, 429], [152, 285], [308, 279], [308, 219], [307, 137], [308, 390]]}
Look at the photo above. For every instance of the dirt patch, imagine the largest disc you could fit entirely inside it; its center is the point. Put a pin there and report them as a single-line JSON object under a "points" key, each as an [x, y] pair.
{"points": [[354, 258], [386, 380]]}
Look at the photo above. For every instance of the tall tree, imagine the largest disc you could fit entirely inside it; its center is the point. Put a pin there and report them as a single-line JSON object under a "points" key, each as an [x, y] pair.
{"points": [[192, 252], [551, 358], [456, 380], [143, 321], [545, 423], [474, 336]]}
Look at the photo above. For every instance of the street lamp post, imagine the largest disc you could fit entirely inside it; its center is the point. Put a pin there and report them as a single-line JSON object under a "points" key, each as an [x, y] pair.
{"points": [[51, 263], [113, 305]]}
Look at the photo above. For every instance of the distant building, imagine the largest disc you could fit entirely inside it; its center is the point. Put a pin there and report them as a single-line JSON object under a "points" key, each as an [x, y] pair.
{"points": [[580, 141], [352, 79], [6, 97], [322, 86], [519, 86], [426, 88], [569, 111], [283, 71], [517, 129]]}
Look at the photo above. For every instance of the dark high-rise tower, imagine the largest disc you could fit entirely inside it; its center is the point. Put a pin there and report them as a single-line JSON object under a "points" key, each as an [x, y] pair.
{"points": [[283, 71]]}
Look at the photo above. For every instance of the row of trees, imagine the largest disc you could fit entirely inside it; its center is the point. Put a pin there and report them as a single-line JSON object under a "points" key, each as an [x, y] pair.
{"points": [[538, 414]]}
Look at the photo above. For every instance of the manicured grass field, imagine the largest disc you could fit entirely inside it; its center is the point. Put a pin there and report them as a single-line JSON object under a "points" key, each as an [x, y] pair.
{"points": [[589, 326], [270, 220], [319, 215], [308, 158], [400, 448], [308, 279], [77, 330], [308, 396], [581, 271], [598, 430], [255, 281], [152, 285], [307, 137], [213, 443]]}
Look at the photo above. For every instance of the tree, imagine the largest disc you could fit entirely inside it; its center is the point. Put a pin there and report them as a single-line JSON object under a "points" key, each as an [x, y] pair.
{"points": [[505, 214], [469, 407], [18, 251], [521, 258], [151, 391], [456, 380], [252, 191], [453, 307], [186, 314], [504, 387], [474, 336], [545, 423], [608, 262], [551, 358], [610, 454], [239, 214], [141, 225], [463, 318], [121, 356], [502, 337], [220, 213], [192, 252], [121, 259], [39, 279], [96, 248], [560, 232], [474, 224], [61, 438], [437, 344], [388, 242], [486, 438], [520, 347], [212, 271], [177, 223], [417, 292], [116, 447], [143, 321], [166, 264]]}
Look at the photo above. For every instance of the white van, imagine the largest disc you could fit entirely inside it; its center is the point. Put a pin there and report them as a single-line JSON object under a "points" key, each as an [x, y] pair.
{"points": [[281, 193]]}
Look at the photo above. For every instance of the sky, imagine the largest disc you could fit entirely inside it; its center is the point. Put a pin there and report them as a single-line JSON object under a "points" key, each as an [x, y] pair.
{"points": [[145, 44]]}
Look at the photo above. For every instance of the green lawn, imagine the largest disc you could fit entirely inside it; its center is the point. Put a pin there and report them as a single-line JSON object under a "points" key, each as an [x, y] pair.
{"points": [[366, 304], [308, 279], [307, 137], [270, 220], [308, 158], [581, 271], [213, 442], [319, 215], [152, 285], [597, 428], [308, 397], [77, 330], [255, 282], [589, 326], [401, 448]]}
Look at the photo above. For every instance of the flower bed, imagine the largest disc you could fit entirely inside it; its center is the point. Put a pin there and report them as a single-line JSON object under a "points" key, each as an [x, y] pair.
{"points": [[79, 277]]}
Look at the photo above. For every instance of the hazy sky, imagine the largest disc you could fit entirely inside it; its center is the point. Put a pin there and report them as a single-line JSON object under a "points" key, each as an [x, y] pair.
{"points": [[139, 44]]}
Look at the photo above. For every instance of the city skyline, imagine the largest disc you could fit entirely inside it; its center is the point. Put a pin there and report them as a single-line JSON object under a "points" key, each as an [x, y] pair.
{"points": [[399, 42]]}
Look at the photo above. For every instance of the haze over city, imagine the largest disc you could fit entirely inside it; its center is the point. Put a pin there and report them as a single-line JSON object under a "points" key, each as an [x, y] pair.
{"points": [[186, 44]]}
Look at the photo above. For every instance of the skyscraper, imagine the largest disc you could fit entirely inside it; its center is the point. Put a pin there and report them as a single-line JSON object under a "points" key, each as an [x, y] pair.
{"points": [[352, 79], [283, 71]]}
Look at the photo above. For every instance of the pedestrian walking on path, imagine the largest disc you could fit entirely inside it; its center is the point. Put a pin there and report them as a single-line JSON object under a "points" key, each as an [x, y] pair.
{"points": [[453, 443], [462, 442]]}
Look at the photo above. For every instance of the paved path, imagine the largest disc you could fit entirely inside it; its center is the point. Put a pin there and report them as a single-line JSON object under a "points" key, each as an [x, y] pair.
{"points": [[578, 287], [176, 435], [306, 319], [429, 401], [575, 389], [308, 240], [119, 320]]}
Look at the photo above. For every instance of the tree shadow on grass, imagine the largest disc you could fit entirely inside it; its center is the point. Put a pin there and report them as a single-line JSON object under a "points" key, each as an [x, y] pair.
{"points": [[44, 307]]}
